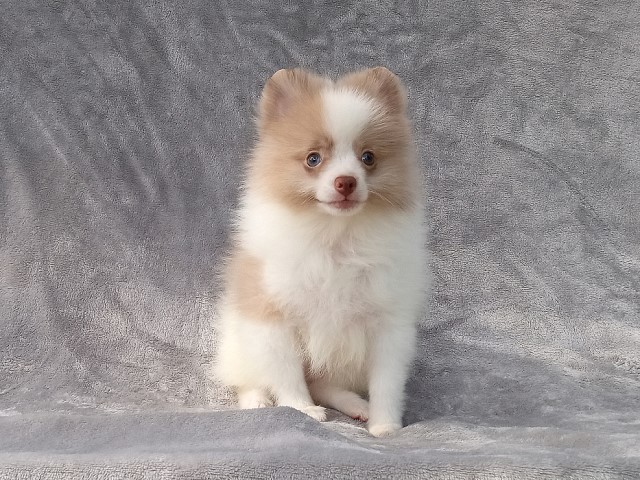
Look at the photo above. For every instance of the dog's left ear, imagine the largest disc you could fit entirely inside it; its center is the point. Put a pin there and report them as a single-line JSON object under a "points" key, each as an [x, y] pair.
{"points": [[380, 83], [283, 90]]}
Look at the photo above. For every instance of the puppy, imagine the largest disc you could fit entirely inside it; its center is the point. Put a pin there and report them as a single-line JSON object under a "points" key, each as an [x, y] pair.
{"points": [[327, 275]]}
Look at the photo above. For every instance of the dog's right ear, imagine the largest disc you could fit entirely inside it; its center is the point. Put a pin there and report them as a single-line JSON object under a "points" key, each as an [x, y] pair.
{"points": [[380, 83], [283, 90]]}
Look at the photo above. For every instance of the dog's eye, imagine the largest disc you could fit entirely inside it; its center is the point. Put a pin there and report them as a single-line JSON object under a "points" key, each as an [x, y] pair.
{"points": [[314, 159], [368, 158]]}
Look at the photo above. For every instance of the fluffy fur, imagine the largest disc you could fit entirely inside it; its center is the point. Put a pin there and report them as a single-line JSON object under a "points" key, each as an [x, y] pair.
{"points": [[326, 278]]}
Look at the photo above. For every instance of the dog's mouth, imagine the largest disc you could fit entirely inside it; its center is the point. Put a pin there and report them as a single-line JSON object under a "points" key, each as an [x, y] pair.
{"points": [[341, 207], [344, 204]]}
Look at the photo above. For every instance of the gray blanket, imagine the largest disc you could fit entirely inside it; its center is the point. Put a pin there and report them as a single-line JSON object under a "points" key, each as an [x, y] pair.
{"points": [[124, 126]]}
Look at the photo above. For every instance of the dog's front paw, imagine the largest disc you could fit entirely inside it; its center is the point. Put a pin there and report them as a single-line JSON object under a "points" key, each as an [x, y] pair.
{"points": [[314, 411], [254, 398], [384, 429], [357, 408]]}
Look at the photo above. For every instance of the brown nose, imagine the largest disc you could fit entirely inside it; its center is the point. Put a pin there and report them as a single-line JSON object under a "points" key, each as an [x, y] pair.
{"points": [[345, 185]]}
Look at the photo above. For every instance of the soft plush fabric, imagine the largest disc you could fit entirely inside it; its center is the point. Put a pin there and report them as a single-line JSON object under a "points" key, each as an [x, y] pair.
{"points": [[124, 126]]}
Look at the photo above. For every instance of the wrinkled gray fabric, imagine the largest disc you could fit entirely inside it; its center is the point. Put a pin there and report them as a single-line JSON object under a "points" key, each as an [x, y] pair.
{"points": [[123, 130]]}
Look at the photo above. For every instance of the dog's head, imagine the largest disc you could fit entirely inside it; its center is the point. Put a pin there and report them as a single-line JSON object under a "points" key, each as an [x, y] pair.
{"points": [[335, 147]]}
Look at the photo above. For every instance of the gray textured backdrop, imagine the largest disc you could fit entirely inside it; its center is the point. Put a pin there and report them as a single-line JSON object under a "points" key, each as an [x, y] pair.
{"points": [[123, 130]]}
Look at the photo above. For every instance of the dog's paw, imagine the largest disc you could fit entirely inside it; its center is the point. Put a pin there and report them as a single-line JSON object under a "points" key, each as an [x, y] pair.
{"points": [[314, 411], [254, 399], [357, 408], [384, 429]]}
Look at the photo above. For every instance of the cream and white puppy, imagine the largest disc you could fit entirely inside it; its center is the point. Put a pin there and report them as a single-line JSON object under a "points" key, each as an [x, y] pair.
{"points": [[327, 275]]}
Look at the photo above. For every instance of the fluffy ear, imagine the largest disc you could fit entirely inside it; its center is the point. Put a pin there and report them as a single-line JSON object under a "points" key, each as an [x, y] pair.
{"points": [[380, 83], [283, 90]]}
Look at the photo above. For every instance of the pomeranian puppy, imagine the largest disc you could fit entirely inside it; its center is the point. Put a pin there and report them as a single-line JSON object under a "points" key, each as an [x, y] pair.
{"points": [[326, 279]]}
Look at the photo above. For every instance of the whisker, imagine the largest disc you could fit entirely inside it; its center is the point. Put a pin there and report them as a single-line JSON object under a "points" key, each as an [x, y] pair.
{"points": [[306, 199], [383, 198]]}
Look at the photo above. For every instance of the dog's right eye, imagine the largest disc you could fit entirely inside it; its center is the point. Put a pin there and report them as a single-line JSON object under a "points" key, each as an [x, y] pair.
{"points": [[314, 159], [368, 159]]}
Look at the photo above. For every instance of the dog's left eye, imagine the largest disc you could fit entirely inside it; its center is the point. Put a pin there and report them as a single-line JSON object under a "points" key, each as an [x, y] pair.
{"points": [[314, 159], [368, 158]]}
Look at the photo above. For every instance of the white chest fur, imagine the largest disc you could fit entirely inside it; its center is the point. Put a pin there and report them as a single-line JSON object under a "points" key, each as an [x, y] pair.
{"points": [[337, 278]]}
